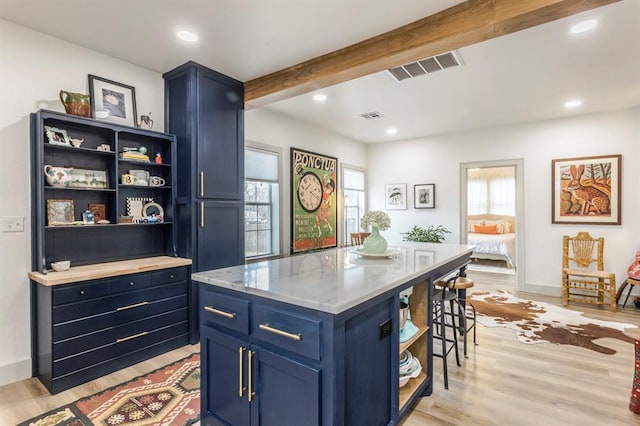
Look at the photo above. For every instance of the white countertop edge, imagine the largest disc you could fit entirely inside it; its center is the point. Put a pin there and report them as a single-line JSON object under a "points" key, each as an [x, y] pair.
{"points": [[332, 308]]}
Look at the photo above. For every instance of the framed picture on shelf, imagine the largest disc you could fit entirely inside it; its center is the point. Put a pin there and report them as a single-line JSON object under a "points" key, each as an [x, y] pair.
{"points": [[135, 206], [112, 101], [424, 196], [586, 190], [99, 211], [60, 212], [57, 136], [395, 196], [83, 178]]}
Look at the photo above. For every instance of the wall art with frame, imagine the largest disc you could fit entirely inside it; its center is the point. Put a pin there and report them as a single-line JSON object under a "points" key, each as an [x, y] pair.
{"points": [[395, 196], [57, 136], [586, 190], [314, 207], [424, 196], [112, 101], [60, 212]]}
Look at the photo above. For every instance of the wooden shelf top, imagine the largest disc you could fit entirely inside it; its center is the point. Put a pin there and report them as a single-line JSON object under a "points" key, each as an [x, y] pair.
{"points": [[106, 270]]}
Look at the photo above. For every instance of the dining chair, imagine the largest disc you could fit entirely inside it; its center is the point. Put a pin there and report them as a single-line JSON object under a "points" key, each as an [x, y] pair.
{"points": [[357, 238], [582, 281]]}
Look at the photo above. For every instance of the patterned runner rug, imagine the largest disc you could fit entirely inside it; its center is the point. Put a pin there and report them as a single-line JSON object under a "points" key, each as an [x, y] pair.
{"points": [[538, 322], [167, 396]]}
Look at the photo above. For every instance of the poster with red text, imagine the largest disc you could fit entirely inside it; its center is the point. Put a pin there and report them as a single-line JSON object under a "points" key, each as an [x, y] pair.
{"points": [[314, 207]]}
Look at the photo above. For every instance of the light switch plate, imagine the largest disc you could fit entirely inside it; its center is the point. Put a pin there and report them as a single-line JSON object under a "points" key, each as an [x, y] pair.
{"points": [[12, 223]]}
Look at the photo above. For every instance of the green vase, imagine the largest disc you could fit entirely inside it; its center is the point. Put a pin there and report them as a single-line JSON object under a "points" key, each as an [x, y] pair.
{"points": [[375, 243]]}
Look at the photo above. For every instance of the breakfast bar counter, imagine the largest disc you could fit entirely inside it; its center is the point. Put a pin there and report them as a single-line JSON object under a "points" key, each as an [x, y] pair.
{"points": [[314, 338]]}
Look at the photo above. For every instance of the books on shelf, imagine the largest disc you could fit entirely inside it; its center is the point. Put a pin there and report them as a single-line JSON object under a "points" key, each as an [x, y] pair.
{"points": [[133, 155]]}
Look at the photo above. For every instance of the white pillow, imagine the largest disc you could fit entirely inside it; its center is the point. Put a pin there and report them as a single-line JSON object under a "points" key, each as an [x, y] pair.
{"points": [[502, 226], [471, 224]]}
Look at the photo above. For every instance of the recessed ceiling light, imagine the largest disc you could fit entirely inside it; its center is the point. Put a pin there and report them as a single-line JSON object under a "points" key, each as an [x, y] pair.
{"points": [[584, 26], [187, 36], [392, 131], [319, 97], [573, 103]]}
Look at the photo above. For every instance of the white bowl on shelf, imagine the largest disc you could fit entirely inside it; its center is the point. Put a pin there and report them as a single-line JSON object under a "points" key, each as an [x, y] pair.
{"points": [[404, 380], [63, 265]]}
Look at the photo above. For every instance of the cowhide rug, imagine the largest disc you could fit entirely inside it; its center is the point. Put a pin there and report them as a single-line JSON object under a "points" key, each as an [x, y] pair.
{"points": [[537, 322]]}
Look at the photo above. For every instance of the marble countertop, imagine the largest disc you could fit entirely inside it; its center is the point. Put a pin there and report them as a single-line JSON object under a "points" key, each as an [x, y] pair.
{"points": [[334, 280]]}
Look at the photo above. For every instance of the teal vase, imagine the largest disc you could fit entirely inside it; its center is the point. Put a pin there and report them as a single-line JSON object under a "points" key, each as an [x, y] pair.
{"points": [[375, 243]]}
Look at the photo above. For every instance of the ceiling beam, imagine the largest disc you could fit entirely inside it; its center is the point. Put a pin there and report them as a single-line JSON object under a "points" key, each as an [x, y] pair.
{"points": [[462, 25]]}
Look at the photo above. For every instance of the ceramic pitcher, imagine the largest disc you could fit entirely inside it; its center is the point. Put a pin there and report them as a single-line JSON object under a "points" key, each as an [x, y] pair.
{"points": [[75, 103]]}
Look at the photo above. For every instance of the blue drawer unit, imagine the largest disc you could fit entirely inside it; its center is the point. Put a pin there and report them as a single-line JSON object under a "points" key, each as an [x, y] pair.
{"points": [[91, 328]]}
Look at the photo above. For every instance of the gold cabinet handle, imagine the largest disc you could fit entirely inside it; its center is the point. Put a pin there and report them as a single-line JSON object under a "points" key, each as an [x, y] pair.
{"points": [[135, 305], [250, 393], [266, 327], [230, 315], [240, 379], [202, 183], [201, 214], [135, 336]]}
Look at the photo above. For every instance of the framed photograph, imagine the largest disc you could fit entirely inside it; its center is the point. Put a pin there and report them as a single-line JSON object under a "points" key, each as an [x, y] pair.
{"points": [[57, 136], [99, 211], [314, 203], [586, 190], [112, 101], [135, 206], [60, 212], [424, 196], [395, 196], [82, 178]]}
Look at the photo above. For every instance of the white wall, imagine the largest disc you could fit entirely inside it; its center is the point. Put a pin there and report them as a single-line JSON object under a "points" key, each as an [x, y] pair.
{"points": [[437, 160], [269, 128], [34, 68]]}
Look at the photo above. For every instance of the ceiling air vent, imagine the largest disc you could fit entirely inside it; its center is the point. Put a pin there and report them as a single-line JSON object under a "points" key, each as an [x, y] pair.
{"points": [[426, 66], [371, 115]]}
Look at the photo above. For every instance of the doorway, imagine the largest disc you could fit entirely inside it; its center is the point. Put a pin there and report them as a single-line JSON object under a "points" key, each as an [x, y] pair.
{"points": [[492, 194]]}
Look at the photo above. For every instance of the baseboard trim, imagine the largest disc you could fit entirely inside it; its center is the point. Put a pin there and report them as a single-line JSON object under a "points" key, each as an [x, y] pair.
{"points": [[543, 289], [15, 372]]}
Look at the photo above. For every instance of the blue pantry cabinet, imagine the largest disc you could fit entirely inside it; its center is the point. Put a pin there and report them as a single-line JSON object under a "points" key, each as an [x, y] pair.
{"points": [[205, 110]]}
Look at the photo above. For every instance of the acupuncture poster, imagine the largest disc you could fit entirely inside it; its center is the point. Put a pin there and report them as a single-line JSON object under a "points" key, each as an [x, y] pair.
{"points": [[314, 207]]}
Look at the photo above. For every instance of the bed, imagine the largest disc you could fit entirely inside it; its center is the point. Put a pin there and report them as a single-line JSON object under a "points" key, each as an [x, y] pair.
{"points": [[494, 237]]}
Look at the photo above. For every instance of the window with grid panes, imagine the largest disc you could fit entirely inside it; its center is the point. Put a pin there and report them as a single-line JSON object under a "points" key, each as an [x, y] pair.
{"points": [[354, 201], [262, 201]]}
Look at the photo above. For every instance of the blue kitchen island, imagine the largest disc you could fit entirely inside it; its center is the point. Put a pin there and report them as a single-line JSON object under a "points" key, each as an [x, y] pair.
{"points": [[314, 339]]}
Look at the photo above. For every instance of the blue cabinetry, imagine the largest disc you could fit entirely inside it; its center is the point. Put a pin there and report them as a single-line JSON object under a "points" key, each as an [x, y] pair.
{"points": [[321, 345], [205, 110], [87, 329]]}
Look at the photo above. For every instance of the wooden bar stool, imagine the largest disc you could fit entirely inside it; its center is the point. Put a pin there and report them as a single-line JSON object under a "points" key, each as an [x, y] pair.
{"points": [[460, 285]]}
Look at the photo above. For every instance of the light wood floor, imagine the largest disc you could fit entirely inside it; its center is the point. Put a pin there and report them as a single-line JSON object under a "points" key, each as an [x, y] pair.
{"points": [[503, 382]]}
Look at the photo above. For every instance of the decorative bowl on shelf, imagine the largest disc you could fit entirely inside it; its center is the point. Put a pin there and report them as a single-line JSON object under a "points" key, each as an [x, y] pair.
{"points": [[62, 265]]}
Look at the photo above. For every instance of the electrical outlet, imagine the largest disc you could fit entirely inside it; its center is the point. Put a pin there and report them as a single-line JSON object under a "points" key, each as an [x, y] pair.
{"points": [[12, 223]]}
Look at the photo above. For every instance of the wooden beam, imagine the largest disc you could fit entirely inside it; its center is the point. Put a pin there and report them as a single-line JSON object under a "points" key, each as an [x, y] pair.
{"points": [[462, 25]]}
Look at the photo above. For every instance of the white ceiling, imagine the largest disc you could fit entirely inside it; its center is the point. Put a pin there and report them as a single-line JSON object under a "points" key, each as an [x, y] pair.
{"points": [[517, 78]]}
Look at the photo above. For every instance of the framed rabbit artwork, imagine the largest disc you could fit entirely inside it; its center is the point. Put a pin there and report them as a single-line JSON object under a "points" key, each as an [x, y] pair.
{"points": [[586, 190]]}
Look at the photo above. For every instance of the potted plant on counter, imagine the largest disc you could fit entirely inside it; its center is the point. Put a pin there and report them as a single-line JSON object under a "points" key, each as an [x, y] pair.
{"points": [[426, 235]]}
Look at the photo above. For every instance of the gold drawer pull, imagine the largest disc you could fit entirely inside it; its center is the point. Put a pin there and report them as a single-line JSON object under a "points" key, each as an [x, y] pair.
{"points": [[135, 336], [219, 312], [135, 305], [240, 367], [266, 327], [250, 393]]}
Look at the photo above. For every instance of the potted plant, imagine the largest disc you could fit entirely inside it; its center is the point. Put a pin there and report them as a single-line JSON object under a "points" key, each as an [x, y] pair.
{"points": [[426, 235]]}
